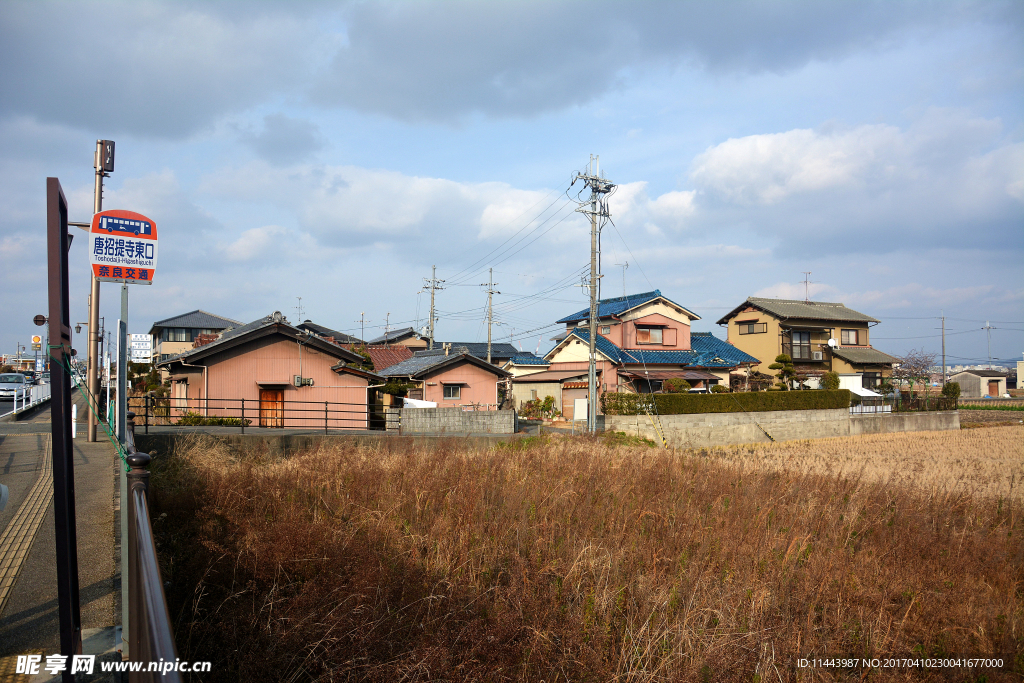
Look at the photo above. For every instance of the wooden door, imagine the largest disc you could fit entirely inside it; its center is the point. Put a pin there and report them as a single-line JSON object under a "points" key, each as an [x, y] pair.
{"points": [[993, 387], [271, 408]]}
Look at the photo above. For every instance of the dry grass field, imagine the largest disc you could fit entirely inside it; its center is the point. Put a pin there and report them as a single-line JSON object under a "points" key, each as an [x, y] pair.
{"points": [[577, 559]]}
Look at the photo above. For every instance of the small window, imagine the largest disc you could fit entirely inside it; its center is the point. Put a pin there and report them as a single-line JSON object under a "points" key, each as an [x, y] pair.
{"points": [[452, 392], [533, 394], [606, 329], [752, 328], [648, 335], [850, 337]]}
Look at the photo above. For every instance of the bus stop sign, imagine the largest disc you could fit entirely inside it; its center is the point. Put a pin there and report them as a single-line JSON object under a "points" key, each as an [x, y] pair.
{"points": [[123, 247]]}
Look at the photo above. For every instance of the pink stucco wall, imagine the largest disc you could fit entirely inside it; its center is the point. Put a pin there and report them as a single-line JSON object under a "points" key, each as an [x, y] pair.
{"points": [[480, 386], [682, 342], [273, 362]]}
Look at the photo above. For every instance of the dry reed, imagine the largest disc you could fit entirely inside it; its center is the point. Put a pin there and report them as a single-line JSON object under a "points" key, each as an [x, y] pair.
{"points": [[573, 559]]}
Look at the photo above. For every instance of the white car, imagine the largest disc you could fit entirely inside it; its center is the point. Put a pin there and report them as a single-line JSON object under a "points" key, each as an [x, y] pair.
{"points": [[10, 383]]}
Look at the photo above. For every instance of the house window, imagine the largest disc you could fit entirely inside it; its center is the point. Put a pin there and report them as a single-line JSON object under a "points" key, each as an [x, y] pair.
{"points": [[850, 337], [606, 329], [176, 334], [802, 345], [752, 328], [648, 335], [452, 392]]}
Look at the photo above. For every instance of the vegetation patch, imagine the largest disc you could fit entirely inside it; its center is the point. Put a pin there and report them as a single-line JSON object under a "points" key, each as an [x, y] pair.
{"points": [[582, 559], [685, 404]]}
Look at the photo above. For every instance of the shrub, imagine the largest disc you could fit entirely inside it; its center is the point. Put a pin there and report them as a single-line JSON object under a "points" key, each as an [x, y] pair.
{"points": [[785, 371], [830, 381], [719, 389], [190, 419], [538, 408], [688, 404], [676, 385], [951, 390]]}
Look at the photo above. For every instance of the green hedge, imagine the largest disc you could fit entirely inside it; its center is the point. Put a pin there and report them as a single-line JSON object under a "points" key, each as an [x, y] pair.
{"points": [[688, 404]]}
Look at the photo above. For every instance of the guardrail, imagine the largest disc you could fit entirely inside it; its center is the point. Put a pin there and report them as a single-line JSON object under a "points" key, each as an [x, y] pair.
{"points": [[150, 635], [249, 412], [28, 398]]}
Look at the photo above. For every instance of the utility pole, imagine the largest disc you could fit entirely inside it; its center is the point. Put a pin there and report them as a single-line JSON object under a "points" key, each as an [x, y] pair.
{"points": [[988, 330], [387, 328], [434, 284], [597, 209], [103, 160], [943, 347], [490, 310]]}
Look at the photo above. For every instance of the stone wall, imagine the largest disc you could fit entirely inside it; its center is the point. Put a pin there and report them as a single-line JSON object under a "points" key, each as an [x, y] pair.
{"points": [[722, 429], [457, 421]]}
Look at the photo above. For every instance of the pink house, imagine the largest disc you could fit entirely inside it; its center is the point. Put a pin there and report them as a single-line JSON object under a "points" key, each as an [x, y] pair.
{"points": [[451, 377], [275, 375]]}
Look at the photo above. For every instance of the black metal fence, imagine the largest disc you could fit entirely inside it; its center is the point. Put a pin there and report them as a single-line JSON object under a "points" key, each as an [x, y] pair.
{"points": [[243, 412], [150, 635]]}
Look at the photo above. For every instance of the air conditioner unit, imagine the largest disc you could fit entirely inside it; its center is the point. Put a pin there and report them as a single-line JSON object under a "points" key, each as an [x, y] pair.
{"points": [[816, 355]]}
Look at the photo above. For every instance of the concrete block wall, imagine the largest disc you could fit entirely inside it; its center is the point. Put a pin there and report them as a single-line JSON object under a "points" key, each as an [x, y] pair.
{"points": [[457, 421], [722, 429]]}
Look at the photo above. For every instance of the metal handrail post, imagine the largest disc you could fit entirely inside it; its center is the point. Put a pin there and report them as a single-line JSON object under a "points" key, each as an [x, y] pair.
{"points": [[325, 417], [138, 479], [243, 415]]}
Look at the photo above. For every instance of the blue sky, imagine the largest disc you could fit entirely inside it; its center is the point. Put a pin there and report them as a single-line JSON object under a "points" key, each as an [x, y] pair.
{"points": [[335, 151]]}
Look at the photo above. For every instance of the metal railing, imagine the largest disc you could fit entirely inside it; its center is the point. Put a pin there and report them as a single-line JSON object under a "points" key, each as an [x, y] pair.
{"points": [[900, 404], [29, 397], [249, 412], [150, 635]]}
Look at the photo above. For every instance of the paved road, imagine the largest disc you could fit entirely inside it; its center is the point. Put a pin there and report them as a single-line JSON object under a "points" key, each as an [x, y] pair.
{"points": [[28, 620]]}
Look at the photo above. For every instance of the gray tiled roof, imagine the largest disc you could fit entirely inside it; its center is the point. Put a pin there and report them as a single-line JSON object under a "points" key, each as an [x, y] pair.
{"points": [[982, 373], [479, 349], [198, 319], [424, 360], [802, 310], [394, 335], [864, 356], [339, 337]]}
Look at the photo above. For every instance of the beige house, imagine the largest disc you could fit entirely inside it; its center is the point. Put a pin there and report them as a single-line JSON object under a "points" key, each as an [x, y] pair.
{"points": [[980, 383], [819, 336], [178, 334]]}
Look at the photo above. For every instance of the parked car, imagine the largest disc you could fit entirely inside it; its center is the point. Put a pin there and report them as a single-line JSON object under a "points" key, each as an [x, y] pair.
{"points": [[44, 378], [11, 382], [30, 376]]}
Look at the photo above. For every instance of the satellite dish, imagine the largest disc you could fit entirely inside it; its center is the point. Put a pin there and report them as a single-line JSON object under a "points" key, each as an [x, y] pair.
{"points": [[832, 343]]}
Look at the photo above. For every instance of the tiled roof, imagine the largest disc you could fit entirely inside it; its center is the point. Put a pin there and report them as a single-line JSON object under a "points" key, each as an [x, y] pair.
{"points": [[479, 349], [422, 361], [394, 335], [386, 356], [528, 359], [982, 373], [621, 304], [339, 337], [801, 310], [707, 351], [273, 319], [864, 356], [199, 320]]}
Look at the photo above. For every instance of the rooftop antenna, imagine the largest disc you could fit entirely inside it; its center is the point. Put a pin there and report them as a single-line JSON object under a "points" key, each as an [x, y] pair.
{"points": [[362, 326], [624, 267], [300, 309], [807, 284]]}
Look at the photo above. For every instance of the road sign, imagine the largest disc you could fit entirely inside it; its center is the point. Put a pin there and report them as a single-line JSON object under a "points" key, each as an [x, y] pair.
{"points": [[123, 247], [140, 337]]}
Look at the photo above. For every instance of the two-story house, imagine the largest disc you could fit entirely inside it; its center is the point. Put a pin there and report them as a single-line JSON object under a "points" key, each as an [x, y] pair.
{"points": [[177, 335], [820, 336], [643, 340]]}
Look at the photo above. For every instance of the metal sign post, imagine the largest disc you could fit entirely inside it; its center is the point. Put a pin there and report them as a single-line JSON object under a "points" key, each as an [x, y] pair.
{"points": [[57, 244]]}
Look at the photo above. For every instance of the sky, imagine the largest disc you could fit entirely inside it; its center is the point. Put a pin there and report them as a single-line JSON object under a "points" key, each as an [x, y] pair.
{"points": [[319, 158]]}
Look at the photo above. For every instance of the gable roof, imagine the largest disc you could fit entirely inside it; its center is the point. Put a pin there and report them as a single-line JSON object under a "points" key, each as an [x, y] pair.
{"points": [[707, 351], [197, 319], [395, 335], [527, 358], [621, 304], [802, 310], [386, 356], [274, 323], [430, 361], [864, 356], [479, 349], [339, 337], [981, 373]]}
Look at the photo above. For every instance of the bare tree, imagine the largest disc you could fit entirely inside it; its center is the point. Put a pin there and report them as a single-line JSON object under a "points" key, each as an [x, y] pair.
{"points": [[915, 366]]}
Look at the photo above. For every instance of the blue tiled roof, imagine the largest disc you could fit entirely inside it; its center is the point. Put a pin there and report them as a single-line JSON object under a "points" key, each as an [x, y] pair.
{"points": [[620, 304], [528, 359], [424, 360], [707, 351]]}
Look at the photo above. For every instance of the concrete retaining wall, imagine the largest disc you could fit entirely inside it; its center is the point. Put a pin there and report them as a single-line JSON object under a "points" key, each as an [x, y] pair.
{"points": [[904, 422], [722, 429], [457, 421]]}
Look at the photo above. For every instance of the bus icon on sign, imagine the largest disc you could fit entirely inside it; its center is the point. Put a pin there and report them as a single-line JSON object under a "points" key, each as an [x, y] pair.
{"points": [[114, 224]]}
